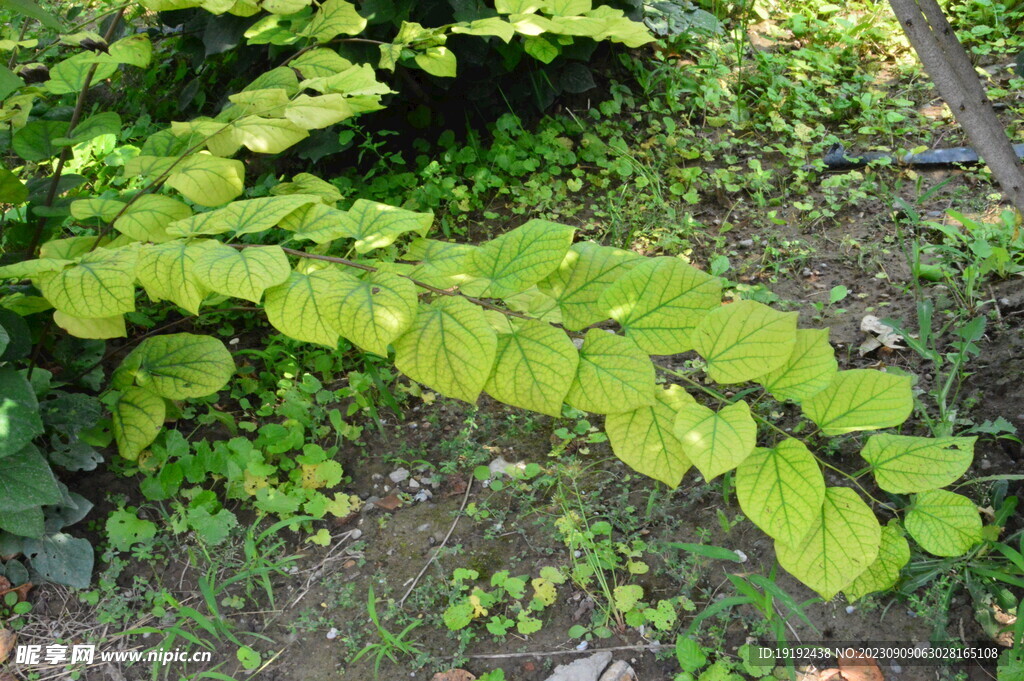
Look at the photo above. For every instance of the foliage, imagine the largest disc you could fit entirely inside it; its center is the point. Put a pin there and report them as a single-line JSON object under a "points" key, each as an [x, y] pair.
{"points": [[506, 605]]}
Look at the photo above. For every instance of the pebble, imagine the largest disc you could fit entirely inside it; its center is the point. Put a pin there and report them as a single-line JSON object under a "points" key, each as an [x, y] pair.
{"points": [[333, 633], [423, 528], [587, 669], [399, 475], [1005, 302], [745, 243], [414, 483], [424, 495], [739, 554], [985, 463], [850, 609], [619, 671]]}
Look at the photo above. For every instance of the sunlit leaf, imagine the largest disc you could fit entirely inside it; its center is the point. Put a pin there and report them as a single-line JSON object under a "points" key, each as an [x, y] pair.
{"points": [[100, 285], [903, 464], [943, 523], [137, 418], [809, 369], [645, 439], [860, 399], [534, 367], [582, 276], [517, 260], [781, 490], [745, 340], [893, 554], [614, 375], [716, 442], [242, 273]]}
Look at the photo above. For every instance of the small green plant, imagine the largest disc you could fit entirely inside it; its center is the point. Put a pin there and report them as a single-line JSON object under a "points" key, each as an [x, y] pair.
{"points": [[505, 605], [389, 646]]}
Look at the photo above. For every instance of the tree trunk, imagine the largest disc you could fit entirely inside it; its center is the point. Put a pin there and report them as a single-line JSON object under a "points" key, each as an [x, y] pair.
{"points": [[946, 61]]}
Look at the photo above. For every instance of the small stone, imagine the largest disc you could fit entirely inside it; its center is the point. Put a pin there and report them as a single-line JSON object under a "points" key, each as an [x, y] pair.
{"points": [[333, 633], [739, 554], [398, 475], [850, 609], [587, 669], [985, 463], [424, 495], [1005, 302], [423, 528], [619, 671], [745, 243], [582, 645], [414, 483]]}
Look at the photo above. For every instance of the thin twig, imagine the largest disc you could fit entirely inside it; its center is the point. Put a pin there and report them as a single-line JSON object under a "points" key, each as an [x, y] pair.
{"points": [[650, 647], [437, 551]]}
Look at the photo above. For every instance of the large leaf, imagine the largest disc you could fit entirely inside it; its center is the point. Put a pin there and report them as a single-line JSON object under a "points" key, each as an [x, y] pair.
{"points": [[134, 50], [449, 348], [781, 490], [181, 365], [893, 554], [645, 440], [745, 340], [12, 190], [106, 123], [375, 310], [168, 272], [316, 222], [614, 375], [334, 18], [242, 273], [62, 559], [104, 209], [808, 370], [268, 135], [716, 442], [28, 523], [19, 414], [517, 260], [35, 141], [241, 217], [71, 74], [437, 61], [102, 284], [842, 544], [27, 481], [303, 306], [147, 218], [311, 113], [319, 63], [98, 328], [534, 368], [860, 399], [208, 180], [903, 464], [136, 417], [581, 279], [441, 263], [944, 523], [376, 225]]}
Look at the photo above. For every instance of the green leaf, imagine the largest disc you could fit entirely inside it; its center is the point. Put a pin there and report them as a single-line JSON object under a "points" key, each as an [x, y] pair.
{"points": [[181, 365], [242, 217], [541, 48], [517, 260], [62, 559], [208, 180], [12, 190], [316, 222], [781, 490], [304, 183], [645, 440], [441, 263], [35, 141], [893, 554], [449, 348], [565, 8], [334, 18], [660, 301], [534, 367], [375, 310], [303, 306], [33, 268], [125, 528], [31, 9], [583, 275], [100, 285], [98, 328], [26, 481], [903, 464], [311, 113], [282, 77], [19, 415], [241, 273], [268, 135], [104, 209], [716, 442], [356, 80], [860, 399], [376, 225], [9, 82], [944, 523], [106, 123], [168, 272], [495, 26], [70, 75], [267, 102], [808, 370], [147, 218], [137, 418], [437, 61], [134, 50], [614, 375], [28, 523], [842, 544], [320, 62], [745, 340]]}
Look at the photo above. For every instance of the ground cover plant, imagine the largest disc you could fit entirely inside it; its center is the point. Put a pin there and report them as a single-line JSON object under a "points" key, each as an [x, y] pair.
{"points": [[397, 284]]}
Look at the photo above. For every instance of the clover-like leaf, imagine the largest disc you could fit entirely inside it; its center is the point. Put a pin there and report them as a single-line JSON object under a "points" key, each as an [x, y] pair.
{"points": [[944, 523], [781, 490], [809, 369], [644, 439], [860, 399], [614, 375], [716, 442], [534, 367], [904, 464], [843, 542], [745, 340], [450, 348]]}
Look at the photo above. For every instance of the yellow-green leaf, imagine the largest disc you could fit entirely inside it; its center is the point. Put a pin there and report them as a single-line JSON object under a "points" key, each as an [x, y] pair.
{"points": [[268, 135], [147, 218], [450, 348], [305, 183], [861, 399], [841, 545], [893, 554], [310, 113], [242, 273], [70, 75], [376, 225], [534, 367], [104, 209], [316, 222], [375, 310], [242, 217], [583, 275], [320, 63], [208, 180], [134, 50], [137, 418], [437, 61], [32, 268], [168, 272], [808, 371], [303, 306], [903, 464], [943, 523], [180, 366], [269, 101], [100, 285], [745, 340], [517, 260], [334, 18], [102, 328], [645, 440], [660, 301], [565, 7], [440, 263], [781, 490], [614, 375], [716, 442], [495, 26]]}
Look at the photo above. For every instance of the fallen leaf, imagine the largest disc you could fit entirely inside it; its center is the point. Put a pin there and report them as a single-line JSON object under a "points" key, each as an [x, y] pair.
{"points": [[883, 335], [389, 503], [453, 675], [7, 641], [860, 667]]}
